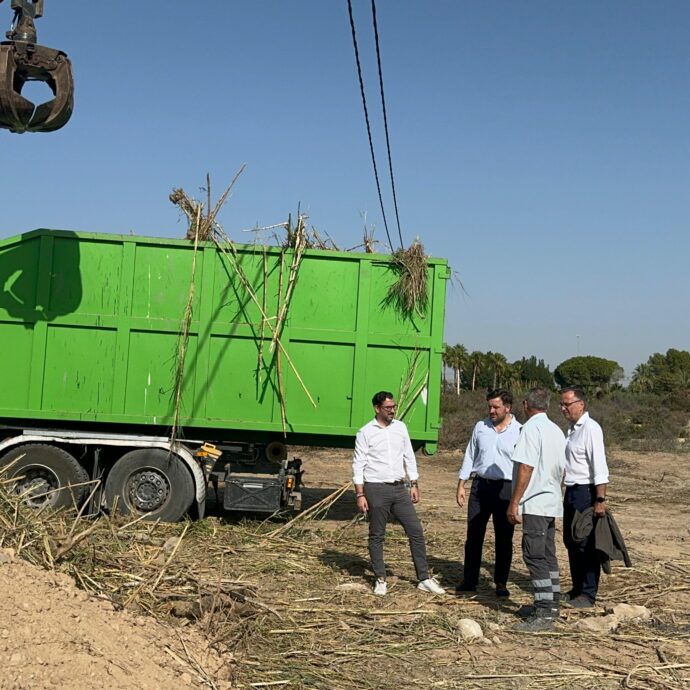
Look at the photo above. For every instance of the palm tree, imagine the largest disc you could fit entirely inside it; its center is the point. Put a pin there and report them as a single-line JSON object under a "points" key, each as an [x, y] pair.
{"points": [[477, 360], [460, 355], [643, 378], [447, 364], [499, 364], [455, 358]]}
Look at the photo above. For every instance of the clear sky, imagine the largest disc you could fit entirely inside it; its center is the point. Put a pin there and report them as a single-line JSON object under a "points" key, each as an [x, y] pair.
{"points": [[542, 147]]}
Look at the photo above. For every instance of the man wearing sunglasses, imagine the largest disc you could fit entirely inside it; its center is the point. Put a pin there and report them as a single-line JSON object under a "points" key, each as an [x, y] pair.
{"points": [[586, 479], [382, 459]]}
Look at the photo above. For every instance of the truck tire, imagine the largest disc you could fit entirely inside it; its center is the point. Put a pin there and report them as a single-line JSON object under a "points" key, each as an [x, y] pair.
{"points": [[47, 476], [151, 482]]}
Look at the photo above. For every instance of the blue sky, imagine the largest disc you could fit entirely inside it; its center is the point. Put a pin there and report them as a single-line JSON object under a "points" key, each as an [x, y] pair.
{"points": [[542, 147]]}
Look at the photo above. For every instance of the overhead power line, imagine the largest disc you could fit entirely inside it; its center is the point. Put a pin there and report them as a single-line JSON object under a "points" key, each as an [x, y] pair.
{"points": [[385, 121], [366, 117]]}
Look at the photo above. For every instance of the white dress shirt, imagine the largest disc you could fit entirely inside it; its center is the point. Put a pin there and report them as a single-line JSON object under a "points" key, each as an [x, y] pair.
{"points": [[383, 454], [489, 452], [541, 446], [585, 457]]}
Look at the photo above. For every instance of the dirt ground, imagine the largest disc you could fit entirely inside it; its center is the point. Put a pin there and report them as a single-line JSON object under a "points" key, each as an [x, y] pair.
{"points": [[323, 628]]}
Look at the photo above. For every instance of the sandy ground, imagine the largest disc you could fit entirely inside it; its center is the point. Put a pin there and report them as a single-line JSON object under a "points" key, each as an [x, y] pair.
{"points": [[54, 635]]}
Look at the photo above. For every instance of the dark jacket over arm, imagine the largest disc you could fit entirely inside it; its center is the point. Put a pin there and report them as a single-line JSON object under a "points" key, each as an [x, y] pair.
{"points": [[608, 540]]}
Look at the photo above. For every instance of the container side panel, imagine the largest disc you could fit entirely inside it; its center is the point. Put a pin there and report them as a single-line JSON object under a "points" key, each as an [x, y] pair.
{"points": [[326, 371], [403, 372], [233, 303], [19, 281], [151, 375], [85, 277], [78, 376], [325, 296], [238, 388], [162, 278], [386, 318], [17, 344]]}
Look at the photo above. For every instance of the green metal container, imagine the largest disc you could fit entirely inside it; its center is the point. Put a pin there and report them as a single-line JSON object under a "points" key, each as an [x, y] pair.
{"points": [[90, 326]]}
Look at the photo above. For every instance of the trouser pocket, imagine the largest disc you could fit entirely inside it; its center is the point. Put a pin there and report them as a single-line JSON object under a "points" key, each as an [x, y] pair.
{"points": [[534, 543]]}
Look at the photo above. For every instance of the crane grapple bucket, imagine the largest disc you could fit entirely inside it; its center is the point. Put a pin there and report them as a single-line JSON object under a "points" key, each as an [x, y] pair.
{"points": [[21, 62]]}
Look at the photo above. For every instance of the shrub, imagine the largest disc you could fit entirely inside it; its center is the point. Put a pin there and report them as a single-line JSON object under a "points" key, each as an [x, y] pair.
{"points": [[631, 421]]}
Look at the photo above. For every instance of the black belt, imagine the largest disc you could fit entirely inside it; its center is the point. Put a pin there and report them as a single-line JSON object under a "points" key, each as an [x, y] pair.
{"points": [[395, 483], [494, 481]]}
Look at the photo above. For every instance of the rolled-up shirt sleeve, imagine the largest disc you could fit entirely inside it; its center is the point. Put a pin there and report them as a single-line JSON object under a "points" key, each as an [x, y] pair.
{"points": [[596, 454], [409, 459], [359, 458]]}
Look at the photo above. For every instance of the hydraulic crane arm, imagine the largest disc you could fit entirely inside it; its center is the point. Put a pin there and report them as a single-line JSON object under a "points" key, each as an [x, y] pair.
{"points": [[23, 60]]}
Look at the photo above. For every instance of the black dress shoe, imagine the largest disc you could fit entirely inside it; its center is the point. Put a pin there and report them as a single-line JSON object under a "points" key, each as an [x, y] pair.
{"points": [[502, 591], [464, 587], [580, 602]]}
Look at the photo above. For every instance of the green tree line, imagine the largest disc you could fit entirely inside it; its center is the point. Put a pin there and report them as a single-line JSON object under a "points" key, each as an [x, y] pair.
{"points": [[469, 371]]}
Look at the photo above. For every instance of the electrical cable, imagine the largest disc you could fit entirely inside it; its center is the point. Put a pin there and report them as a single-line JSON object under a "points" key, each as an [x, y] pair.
{"points": [[366, 117], [385, 120]]}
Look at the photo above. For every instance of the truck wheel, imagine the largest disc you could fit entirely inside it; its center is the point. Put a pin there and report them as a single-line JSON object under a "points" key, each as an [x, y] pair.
{"points": [[46, 476], [150, 481]]}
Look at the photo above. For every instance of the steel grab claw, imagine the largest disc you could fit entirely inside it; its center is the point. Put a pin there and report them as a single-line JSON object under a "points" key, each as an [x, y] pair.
{"points": [[22, 62]]}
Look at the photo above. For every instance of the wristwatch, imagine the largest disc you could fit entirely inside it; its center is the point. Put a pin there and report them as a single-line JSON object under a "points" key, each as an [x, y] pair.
{"points": [[600, 499]]}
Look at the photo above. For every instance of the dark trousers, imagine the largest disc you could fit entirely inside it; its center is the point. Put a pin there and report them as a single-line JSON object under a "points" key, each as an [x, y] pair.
{"points": [[585, 565], [488, 498], [539, 554], [384, 500]]}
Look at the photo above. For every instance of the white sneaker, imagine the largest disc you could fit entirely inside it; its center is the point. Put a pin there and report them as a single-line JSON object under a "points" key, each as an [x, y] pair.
{"points": [[381, 588], [431, 586]]}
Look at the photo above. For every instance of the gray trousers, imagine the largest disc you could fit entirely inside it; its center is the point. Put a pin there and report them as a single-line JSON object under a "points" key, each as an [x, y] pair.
{"points": [[539, 554], [384, 500]]}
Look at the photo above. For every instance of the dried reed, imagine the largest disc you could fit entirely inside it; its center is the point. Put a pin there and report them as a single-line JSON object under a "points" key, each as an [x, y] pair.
{"points": [[409, 293], [268, 598]]}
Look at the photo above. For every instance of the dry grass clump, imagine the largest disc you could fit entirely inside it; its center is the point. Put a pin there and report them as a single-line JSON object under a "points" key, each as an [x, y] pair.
{"points": [[409, 293], [201, 218], [203, 225]]}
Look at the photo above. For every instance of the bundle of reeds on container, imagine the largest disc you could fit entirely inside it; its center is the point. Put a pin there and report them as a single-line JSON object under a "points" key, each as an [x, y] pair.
{"points": [[203, 226], [409, 293]]}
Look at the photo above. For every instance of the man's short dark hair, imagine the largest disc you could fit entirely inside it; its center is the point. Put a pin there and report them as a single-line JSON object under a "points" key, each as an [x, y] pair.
{"points": [[577, 391], [538, 398], [505, 396], [381, 397]]}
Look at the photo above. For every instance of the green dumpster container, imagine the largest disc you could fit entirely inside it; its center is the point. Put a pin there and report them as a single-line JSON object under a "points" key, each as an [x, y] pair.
{"points": [[93, 335]]}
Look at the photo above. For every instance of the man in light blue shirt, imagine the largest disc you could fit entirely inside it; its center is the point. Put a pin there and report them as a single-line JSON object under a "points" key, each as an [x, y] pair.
{"points": [[539, 460], [489, 456]]}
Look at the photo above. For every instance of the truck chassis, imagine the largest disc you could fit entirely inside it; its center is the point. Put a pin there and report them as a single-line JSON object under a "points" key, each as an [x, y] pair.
{"points": [[147, 475]]}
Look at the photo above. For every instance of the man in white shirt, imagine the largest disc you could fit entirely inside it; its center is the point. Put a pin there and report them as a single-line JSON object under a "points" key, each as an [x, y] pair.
{"points": [[489, 456], [586, 479], [383, 457], [539, 458]]}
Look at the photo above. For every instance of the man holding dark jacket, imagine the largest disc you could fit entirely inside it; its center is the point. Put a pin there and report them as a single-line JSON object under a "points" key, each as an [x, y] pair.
{"points": [[586, 480]]}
